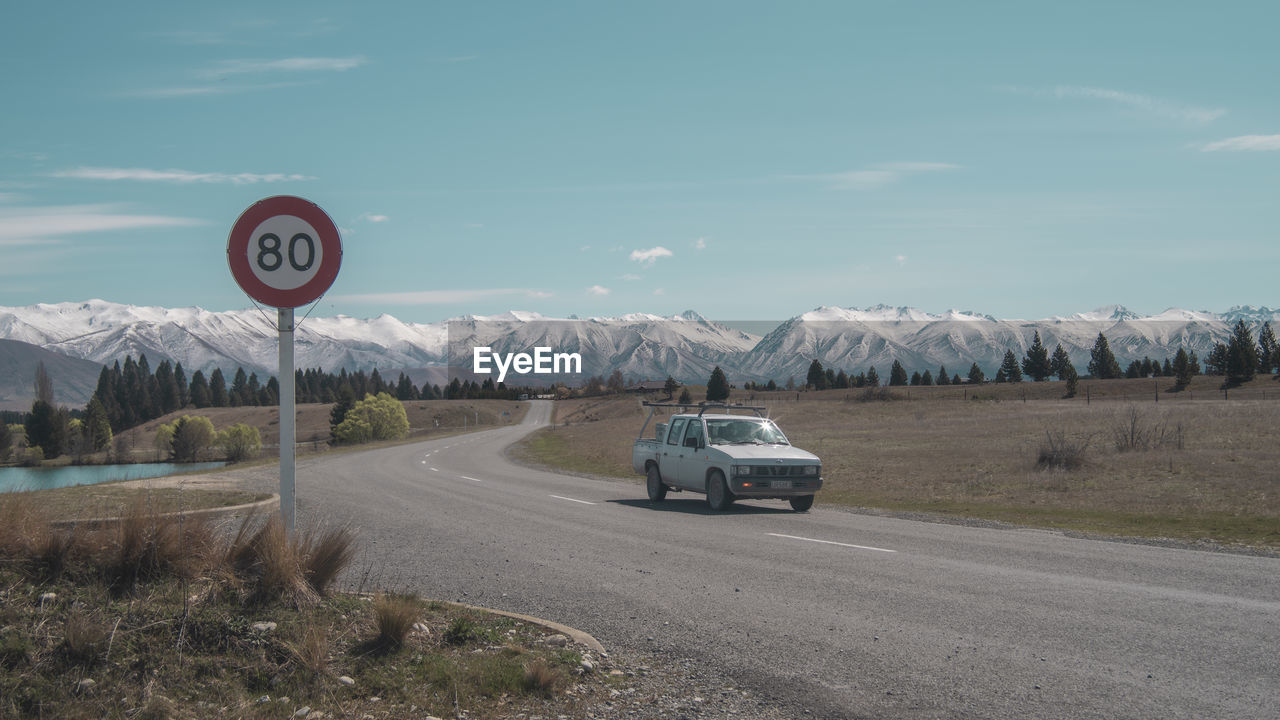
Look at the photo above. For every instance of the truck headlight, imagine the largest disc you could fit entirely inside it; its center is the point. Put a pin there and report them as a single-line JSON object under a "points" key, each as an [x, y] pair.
{"points": [[811, 469], [741, 469]]}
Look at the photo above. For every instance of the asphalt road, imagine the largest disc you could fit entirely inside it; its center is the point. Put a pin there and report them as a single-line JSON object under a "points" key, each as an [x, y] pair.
{"points": [[837, 613]]}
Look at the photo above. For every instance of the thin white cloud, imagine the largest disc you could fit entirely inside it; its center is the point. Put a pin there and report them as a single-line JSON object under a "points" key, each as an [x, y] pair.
{"points": [[370, 217], [632, 277], [902, 259], [700, 244], [1248, 143], [201, 90], [875, 176], [294, 64], [538, 294], [181, 177], [1160, 107], [584, 248], [650, 256], [597, 290], [30, 225], [431, 297]]}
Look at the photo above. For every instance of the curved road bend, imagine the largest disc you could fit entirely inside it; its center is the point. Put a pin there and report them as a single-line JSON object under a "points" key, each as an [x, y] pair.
{"points": [[840, 614]]}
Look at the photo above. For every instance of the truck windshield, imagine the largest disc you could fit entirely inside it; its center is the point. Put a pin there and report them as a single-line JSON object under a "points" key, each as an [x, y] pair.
{"points": [[746, 431]]}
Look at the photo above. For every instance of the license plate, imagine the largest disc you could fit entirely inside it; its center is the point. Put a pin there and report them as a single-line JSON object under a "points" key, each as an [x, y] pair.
{"points": [[780, 484]]}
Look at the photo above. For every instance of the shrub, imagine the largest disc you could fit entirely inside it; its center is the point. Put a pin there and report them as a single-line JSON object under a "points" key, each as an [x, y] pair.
{"points": [[240, 442], [379, 417], [1059, 453], [83, 638], [1135, 432], [186, 438]]}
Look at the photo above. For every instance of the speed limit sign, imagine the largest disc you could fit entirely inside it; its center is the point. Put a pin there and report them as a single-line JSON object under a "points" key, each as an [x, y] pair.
{"points": [[284, 251]]}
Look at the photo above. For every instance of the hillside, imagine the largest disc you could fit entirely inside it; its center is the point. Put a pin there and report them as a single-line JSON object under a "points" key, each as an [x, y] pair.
{"points": [[74, 380]]}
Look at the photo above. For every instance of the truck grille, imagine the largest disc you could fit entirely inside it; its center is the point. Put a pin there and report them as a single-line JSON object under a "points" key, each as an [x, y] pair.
{"points": [[778, 470]]}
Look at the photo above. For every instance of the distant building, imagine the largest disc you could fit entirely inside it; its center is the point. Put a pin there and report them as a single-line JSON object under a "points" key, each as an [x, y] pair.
{"points": [[649, 386]]}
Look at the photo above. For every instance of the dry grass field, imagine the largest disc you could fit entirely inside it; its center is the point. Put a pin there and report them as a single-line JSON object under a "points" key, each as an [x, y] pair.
{"points": [[1114, 460], [426, 418]]}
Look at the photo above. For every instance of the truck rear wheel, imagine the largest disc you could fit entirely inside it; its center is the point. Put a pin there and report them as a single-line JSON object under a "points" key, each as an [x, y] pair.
{"points": [[800, 503], [653, 483], [718, 495]]}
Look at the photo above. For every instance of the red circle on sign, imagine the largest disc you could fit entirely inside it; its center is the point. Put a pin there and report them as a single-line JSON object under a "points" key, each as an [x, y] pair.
{"points": [[240, 257]]}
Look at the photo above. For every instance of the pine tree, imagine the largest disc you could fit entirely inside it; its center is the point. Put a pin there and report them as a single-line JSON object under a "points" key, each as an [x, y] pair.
{"points": [[1134, 370], [1102, 363], [842, 380], [771, 386], [404, 389], [1071, 379], [347, 400], [873, 377], [6, 442], [1012, 373], [1181, 369], [199, 390], [45, 429], [218, 396], [239, 389], [685, 397], [897, 374], [976, 376], [1059, 363], [669, 387], [955, 379], [817, 378], [927, 378], [1215, 363], [943, 377], [97, 427], [1242, 355], [916, 379], [1036, 363], [1268, 350], [1167, 370], [717, 386], [831, 378], [1000, 376], [184, 390]]}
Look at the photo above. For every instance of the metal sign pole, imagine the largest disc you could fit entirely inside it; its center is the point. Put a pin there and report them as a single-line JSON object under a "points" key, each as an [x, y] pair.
{"points": [[287, 432]]}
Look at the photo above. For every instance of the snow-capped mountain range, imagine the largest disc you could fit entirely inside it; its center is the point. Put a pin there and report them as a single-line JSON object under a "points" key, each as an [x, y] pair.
{"points": [[642, 346]]}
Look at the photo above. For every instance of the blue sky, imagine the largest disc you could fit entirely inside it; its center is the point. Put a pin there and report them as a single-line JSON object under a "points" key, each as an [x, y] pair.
{"points": [[742, 159]]}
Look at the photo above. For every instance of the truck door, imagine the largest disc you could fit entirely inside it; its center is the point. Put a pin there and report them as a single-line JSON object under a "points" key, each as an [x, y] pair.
{"points": [[693, 466], [669, 452]]}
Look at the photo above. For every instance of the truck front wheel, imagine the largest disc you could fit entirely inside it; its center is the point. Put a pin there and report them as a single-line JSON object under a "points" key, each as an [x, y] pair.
{"points": [[718, 495], [653, 483], [800, 503]]}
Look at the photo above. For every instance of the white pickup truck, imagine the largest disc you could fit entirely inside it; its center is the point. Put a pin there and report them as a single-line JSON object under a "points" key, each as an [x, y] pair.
{"points": [[725, 456]]}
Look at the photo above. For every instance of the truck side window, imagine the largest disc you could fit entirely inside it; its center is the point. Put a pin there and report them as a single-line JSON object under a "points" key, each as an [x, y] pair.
{"points": [[676, 431], [694, 432]]}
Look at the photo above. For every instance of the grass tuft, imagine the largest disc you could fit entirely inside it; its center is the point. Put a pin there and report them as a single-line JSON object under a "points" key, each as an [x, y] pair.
{"points": [[541, 678], [325, 554], [84, 639], [312, 652], [394, 615], [461, 631]]}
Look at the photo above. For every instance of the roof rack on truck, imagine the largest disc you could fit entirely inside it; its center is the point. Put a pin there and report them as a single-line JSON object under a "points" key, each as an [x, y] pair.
{"points": [[760, 411]]}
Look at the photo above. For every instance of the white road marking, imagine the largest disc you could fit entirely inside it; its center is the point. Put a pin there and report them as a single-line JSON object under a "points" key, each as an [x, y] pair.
{"points": [[584, 502], [464, 477], [832, 542], [433, 470]]}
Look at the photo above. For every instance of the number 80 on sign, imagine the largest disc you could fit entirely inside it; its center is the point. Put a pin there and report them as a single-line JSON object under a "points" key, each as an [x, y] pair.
{"points": [[284, 251]]}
